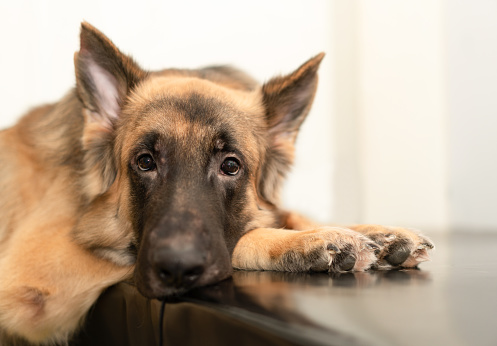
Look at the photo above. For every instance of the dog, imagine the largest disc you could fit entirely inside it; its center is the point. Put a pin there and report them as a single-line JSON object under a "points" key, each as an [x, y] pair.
{"points": [[168, 177]]}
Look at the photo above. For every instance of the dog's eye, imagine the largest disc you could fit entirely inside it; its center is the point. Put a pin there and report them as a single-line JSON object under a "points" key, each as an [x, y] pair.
{"points": [[230, 166], [146, 162]]}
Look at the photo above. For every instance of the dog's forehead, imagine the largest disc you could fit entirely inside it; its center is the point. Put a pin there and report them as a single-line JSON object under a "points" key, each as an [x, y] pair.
{"points": [[190, 109], [160, 87]]}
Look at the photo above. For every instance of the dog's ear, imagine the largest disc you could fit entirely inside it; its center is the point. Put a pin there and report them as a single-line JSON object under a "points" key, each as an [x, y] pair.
{"points": [[104, 77], [287, 101]]}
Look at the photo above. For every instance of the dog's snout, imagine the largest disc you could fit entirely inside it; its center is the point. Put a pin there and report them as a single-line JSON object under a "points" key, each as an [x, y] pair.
{"points": [[178, 268]]}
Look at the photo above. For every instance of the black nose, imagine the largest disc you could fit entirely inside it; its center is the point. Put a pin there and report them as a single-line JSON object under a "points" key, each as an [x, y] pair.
{"points": [[178, 268]]}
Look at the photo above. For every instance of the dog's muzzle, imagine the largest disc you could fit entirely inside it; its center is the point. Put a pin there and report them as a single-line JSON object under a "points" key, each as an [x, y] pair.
{"points": [[181, 253]]}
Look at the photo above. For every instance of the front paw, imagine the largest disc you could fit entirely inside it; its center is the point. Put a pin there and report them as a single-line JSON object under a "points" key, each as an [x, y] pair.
{"points": [[330, 249], [399, 247]]}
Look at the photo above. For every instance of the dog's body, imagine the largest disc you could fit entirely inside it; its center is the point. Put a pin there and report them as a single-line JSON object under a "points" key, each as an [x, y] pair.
{"points": [[172, 176]]}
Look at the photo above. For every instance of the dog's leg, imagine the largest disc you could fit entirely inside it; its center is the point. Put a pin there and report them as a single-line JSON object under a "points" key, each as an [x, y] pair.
{"points": [[49, 283], [327, 248], [399, 247]]}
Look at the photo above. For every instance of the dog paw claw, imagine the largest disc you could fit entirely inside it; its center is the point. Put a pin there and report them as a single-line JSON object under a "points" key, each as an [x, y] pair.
{"points": [[344, 250], [390, 237], [333, 250], [400, 247]]}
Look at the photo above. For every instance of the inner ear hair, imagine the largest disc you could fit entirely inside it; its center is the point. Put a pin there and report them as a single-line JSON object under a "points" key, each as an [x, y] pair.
{"points": [[104, 75]]}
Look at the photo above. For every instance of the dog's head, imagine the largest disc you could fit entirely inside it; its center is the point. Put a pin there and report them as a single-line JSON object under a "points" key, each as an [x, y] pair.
{"points": [[180, 163]]}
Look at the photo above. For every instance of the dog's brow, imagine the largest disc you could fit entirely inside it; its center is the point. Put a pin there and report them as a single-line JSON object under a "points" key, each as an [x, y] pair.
{"points": [[220, 144], [226, 141], [149, 140]]}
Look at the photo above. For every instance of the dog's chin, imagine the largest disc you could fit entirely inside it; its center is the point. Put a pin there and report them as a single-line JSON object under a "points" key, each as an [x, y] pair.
{"points": [[150, 286], [153, 288], [161, 292]]}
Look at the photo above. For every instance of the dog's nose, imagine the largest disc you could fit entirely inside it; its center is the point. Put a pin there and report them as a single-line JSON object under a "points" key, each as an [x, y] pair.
{"points": [[178, 268]]}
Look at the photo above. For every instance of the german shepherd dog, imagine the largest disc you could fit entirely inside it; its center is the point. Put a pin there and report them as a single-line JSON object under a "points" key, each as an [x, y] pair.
{"points": [[168, 177]]}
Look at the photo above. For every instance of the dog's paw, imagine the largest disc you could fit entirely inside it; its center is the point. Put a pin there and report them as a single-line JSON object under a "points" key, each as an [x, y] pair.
{"points": [[399, 247], [332, 249]]}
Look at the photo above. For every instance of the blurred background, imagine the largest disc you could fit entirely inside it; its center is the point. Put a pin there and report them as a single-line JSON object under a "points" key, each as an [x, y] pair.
{"points": [[403, 130]]}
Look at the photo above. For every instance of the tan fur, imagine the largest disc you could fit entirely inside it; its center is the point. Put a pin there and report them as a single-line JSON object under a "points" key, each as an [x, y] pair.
{"points": [[299, 222], [265, 249], [42, 269]]}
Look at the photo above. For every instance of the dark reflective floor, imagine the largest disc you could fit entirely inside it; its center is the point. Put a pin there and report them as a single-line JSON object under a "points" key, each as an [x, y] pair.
{"points": [[449, 301]]}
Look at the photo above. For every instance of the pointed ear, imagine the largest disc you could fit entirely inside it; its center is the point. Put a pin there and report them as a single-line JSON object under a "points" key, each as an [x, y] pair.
{"points": [[288, 99], [104, 76]]}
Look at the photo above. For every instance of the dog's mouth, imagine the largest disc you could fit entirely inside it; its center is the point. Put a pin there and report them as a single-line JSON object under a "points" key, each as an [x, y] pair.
{"points": [[170, 286], [168, 273]]}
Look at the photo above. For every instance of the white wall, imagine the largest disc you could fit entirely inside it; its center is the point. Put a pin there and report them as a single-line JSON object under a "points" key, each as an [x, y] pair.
{"points": [[404, 110], [472, 85], [416, 113], [397, 126], [265, 38]]}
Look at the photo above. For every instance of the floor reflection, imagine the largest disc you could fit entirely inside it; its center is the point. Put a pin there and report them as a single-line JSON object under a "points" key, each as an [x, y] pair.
{"points": [[276, 293], [357, 279]]}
